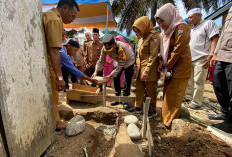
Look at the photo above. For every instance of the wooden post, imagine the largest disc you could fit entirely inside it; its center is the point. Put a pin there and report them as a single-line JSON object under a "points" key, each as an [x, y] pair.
{"points": [[104, 94], [146, 106], [150, 140]]}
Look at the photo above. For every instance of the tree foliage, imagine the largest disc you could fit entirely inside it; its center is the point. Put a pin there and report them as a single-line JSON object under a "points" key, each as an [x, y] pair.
{"points": [[129, 10]]}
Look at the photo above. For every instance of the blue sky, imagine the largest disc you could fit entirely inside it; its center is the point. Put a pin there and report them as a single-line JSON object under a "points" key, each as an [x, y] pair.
{"points": [[183, 14]]}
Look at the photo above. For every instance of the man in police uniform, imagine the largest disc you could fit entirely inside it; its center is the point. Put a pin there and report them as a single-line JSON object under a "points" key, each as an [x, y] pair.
{"points": [[53, 20], [204, 37], [125, 61], [222, 79]]}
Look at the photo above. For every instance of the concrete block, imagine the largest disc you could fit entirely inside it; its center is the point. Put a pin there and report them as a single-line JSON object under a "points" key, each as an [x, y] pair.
{"points": [[25, 91], [221, 134]]}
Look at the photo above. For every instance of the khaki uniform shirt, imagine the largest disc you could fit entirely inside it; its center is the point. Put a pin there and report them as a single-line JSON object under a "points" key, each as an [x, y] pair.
{"points": [[124, 57], [224, 45], [147, 56], [179, 58], [93, 52], [53, 27]]}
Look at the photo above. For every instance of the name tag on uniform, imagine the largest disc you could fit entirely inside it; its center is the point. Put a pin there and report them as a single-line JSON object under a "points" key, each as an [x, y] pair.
{"points": [[180, 30]]}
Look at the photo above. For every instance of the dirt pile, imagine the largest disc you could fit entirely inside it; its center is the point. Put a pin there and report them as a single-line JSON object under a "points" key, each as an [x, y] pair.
{"points": [[194, 141], [93, 140]]}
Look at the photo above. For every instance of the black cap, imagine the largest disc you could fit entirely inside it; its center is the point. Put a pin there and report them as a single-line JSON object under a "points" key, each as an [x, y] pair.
{"points": [[73, 43], [95, 30], [108, 40]]}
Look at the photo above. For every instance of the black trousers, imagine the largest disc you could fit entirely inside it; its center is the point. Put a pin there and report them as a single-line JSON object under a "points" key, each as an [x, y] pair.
{"points": [[89, 73], [66, 74], [129, 72], [222, 84]]}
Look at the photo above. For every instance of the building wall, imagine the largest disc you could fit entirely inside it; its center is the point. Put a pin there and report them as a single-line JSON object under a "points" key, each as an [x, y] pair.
{"points": [[25, 91]]}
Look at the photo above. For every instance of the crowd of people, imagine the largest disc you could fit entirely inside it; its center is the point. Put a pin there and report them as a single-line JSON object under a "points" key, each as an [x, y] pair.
{"points": [[181, 51]]}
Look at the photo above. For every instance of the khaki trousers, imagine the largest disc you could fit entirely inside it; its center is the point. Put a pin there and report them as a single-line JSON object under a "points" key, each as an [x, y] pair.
{"points": [[195, 89], [173, 96], [150, 87], [55, 95]]}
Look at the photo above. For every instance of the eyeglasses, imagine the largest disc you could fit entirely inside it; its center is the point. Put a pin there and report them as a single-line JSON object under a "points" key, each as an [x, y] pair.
{"points": [[73, 15]]}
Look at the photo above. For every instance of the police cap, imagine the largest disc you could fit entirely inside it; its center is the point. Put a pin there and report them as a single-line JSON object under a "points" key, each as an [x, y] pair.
{"points": [[108, 41]]}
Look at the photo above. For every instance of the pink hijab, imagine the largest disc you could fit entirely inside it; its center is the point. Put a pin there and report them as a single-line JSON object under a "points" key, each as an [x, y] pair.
{"points": [[122, 40], [169, 14]]}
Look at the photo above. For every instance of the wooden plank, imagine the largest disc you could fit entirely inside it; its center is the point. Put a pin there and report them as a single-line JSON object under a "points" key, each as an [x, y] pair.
{"points": [[104, 94], [150, 140], [145, 114], [108, 98]]}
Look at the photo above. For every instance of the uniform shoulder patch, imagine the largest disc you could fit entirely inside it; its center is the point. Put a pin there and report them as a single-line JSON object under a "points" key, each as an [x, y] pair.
{"points": [[180, 30], [154, 39], [228, 16]]}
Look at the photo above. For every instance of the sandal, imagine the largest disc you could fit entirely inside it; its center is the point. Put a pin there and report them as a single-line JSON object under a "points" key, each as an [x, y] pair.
{"points": [[190, 105], [185, 100]]}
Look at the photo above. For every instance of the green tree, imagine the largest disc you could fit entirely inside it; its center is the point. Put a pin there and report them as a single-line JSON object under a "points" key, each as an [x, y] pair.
{"points": [[134, 38], [129, 10]]}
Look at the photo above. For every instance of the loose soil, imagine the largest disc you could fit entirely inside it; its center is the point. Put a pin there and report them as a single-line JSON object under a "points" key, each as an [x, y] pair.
{"points": [[194, 140]]}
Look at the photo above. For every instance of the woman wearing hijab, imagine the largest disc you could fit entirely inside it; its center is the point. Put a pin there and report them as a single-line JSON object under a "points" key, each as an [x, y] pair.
{"points": [[175, 52], [120, 38], [146, 72]]}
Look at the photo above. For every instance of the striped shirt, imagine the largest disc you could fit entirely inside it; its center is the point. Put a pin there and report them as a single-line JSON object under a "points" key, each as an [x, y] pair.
{"points": [[200, 38]]}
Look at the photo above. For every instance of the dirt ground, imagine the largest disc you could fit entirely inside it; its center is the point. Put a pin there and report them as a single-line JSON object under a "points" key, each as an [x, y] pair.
{"points": [[194, 140]]}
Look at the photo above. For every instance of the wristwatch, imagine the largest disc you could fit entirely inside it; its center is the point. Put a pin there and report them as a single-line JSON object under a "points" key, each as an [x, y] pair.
{"points": [[60, 78]]}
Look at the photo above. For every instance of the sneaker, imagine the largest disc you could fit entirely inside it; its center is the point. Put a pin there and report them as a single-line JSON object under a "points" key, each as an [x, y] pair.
{"points": [[152, 114], [135, 110], [220, 116], [114, 103], [224, 126], [126, 106]]}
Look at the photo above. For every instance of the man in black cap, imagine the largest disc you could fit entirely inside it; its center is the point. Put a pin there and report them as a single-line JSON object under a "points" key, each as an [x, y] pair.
{"points": [[125, 59], [93, 52], [69, 50]]}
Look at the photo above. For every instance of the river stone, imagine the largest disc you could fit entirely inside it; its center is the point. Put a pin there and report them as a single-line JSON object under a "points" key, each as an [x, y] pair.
{"points": [[131, 119], [133, 131], [109, 130], [101, 79], [178, 125], [75, 126]]}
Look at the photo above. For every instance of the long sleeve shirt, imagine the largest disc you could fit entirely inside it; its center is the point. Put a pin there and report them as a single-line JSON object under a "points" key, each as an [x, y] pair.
{"points": [[93, 52], [67, 63], [123, 56]]}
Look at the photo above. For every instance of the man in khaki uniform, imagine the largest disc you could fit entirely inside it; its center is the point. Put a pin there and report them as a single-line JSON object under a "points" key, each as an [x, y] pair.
{"points": [[53, 20]]}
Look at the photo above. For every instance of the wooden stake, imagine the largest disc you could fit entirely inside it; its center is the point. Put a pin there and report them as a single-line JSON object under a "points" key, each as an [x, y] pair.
{"points": [[146, 106], [104, 94], [150, 140]]}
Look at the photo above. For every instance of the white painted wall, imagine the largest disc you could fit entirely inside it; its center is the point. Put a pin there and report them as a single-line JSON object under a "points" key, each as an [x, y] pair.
{"points": [[25, 92]]}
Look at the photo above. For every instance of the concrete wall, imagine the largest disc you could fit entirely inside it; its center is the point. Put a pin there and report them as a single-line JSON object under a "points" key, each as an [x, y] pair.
{"points": [[2, 149], [25, 92]]}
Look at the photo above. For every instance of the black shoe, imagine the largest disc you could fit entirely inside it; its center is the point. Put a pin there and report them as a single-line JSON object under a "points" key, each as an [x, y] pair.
{"points": [[126, 106], [220, 116], [224, 126], [114, 103], [152, 114], [135, 110]]}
